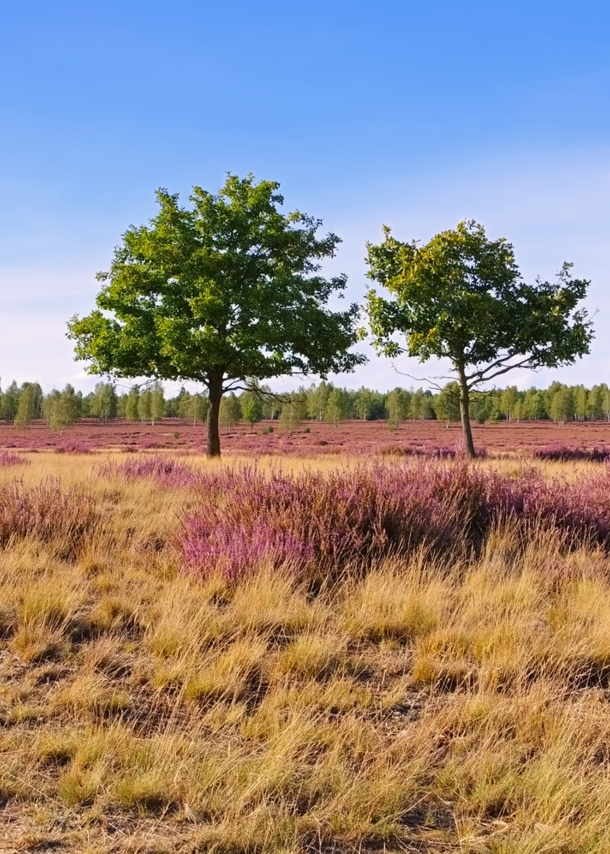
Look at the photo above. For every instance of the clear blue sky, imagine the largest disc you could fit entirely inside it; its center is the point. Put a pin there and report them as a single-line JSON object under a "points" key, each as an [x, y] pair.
{"points": [[414, 114]]}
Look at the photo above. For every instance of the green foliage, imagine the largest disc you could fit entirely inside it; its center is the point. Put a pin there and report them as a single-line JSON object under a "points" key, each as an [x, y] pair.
{"points": [[251, 407], [193, 407], [9, 401], [157, 402], [226, 290], [293, 412], [62, 409], [562, 405], [337, 406], [29, 404], [144, 405], [397, 407], [461, 297], [103, 403], [317, 400], [447, 403], [230, 410], [132, 404]]}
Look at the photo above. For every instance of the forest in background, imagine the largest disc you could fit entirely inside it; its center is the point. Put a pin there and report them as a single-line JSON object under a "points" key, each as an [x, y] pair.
{"points": [[21, 405]]}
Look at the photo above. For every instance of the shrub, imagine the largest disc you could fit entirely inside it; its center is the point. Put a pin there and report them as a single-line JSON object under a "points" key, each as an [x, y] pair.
{"points": [[9, 459], [46, 512], [560, 453], [165, 469], [320, 523], [73, 446]]}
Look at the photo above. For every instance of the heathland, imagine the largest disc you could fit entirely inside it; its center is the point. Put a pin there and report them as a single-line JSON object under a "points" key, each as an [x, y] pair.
{"points": [[327, 653]]}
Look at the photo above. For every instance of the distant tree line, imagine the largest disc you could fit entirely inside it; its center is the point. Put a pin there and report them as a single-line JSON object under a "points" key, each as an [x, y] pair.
{"points": [[21, 405]]}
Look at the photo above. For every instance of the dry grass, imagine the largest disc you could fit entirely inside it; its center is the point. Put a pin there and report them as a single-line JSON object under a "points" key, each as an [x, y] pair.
{"points": [[413, 709]]}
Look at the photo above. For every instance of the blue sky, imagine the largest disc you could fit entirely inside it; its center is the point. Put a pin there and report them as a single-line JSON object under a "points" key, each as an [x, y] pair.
{"points": [[414, 114]]}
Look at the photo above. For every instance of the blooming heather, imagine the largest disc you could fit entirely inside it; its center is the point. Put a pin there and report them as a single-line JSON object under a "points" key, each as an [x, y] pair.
{"points": [[561, 453], [318, 522], [9, 459], [164, 469], [47, 512]]}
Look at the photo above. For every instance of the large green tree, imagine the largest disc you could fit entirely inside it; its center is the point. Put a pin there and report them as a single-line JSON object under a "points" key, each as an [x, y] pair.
{"points": [[461, 297], [226, 290]]}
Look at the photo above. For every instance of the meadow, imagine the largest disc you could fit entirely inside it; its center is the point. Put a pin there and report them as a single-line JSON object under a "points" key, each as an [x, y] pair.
{"points": [[336, 653], [309, 439]]}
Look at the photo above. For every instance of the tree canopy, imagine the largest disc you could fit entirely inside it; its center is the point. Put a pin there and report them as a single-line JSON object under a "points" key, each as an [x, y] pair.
{"points": [[461, 297], [226, 290]]}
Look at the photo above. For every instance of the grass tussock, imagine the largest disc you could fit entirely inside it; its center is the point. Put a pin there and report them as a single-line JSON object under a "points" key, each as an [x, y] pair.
{"points": [[414, 702]]}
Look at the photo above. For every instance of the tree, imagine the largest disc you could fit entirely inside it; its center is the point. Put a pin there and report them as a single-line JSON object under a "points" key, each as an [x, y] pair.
{"points": [[336, 406], [230, 410], [61, 409], [132, 404], [317, 400], [421, 405], [461, 297], [292, 413], [157, 402], [580, 402], [251, 407], [193, 407], [10, 402], [447, 404], [595, 403], [104, 403], [226, 290], [396, 407], [562, 405], [508, 401], [28, 405], [364, 401], [144, 405]]}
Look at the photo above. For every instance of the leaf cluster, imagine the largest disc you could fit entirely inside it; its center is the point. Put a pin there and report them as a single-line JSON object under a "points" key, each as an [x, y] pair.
{"points": [[461, 296], [229, 288]]}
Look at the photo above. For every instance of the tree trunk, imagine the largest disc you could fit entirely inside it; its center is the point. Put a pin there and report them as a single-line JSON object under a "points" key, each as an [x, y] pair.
{"points": [[215, 390], [465, 414]]}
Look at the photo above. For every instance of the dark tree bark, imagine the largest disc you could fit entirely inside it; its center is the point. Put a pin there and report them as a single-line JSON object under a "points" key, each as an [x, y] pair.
{"points": [[465, 413], [215, 391]]}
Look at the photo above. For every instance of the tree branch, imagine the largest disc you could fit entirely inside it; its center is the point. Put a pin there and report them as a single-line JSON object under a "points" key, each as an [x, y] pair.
{"points": [[424, 379], [527, 363]]}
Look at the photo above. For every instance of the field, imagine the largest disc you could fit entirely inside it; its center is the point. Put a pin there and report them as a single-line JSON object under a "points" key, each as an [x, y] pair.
{"points": [[342, 654], [310, 439]]}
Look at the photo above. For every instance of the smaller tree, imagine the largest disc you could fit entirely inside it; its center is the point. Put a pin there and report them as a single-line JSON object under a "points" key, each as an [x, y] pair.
{"points": [[292, 413], [132, 404], [28, 404], [144, 406], [230, 411], [562, 405], [251, 407], [193, 407], [62, 409], [396, 407], [364, 401], [508, 401], [157, 402], [104, 402], [10, 402], [447, 403], [461, 297], [336, 406]]}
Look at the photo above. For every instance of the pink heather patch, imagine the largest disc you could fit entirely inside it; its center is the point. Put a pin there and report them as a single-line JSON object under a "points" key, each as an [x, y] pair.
{"points": [[164, 469], [9, 459], [560, 453], [317, 522], [47, 512], [73, 446]]}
